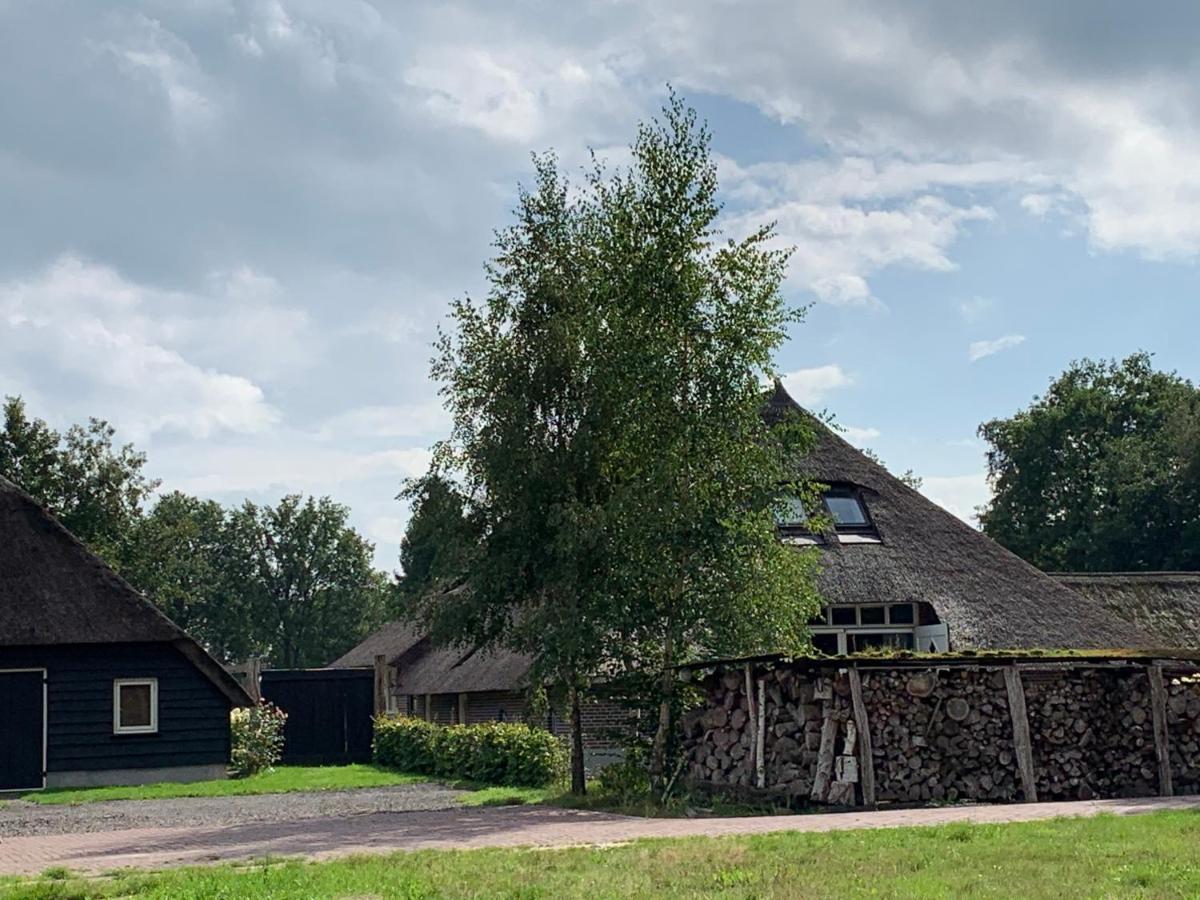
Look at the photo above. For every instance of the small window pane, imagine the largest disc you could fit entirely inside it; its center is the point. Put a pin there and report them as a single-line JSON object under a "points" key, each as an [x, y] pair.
{"points": [[821, 618], [844, 615], [845, 510], [825, 643], [791, 513], [135, 706], [871, 615], [902, 614], [859, 642]]}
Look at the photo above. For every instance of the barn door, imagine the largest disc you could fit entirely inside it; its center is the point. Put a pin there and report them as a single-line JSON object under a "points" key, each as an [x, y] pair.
{"points": [[23, 735]]}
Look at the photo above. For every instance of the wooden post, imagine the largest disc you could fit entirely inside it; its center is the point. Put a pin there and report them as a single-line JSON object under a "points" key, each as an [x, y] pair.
{"points": [[254, 678], [753, 723], [381, 684], [1020, 727], [866, 757], [760, 766], [463, 706], [824, 773], [429, 707], [1162, 738]]}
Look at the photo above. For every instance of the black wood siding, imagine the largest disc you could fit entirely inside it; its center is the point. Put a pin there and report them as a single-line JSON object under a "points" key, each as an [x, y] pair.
{"points": [[193, 716]]}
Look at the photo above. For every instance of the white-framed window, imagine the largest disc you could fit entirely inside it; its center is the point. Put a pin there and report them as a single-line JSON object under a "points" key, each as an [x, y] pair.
{"points": [[852, 628], [135, 705]]}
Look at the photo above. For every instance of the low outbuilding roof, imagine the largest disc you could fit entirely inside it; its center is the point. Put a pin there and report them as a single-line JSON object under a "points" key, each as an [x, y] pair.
{"points": [[53, 590], [1166, 605]]}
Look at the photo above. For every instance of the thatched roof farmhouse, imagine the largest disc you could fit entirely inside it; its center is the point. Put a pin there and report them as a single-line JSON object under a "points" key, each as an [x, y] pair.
{"points": [[99, 687]]}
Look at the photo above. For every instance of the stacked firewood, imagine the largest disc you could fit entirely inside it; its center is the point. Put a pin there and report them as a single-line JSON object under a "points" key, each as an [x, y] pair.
{"points": [[1092, 734], [1183, 726], [941, 736], [722, 737]]}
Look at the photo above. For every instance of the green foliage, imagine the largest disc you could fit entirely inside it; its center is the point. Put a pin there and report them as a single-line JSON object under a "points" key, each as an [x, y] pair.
{"points": [[1102, 473], [256, 736], [307, 578], [606, 399], [625, 783], [506, 753], [438, 539], [95, 489]]}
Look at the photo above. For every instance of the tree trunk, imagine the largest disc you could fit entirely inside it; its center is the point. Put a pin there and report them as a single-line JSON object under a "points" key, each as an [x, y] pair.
{"points": [[578, 779], [666, 688]]}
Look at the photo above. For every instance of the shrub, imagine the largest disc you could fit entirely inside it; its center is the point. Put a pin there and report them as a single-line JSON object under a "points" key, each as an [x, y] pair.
{"points": [[257, 737], [625, 783], [494, 753]]}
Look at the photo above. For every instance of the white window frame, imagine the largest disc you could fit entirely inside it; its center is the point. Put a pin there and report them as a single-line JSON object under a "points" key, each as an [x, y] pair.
{"points": [[119, 683], [885, 627]]}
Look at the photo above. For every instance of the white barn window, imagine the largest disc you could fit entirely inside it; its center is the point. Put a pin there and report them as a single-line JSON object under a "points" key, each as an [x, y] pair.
{"points": [[135, 706]]}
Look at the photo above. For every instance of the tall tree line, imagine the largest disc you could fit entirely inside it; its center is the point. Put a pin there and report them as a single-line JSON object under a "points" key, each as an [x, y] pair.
{"points": [[292, 583]]}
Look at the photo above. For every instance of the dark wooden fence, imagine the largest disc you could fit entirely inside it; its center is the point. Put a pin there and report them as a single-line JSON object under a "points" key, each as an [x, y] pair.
{"points": [[329, 713]]}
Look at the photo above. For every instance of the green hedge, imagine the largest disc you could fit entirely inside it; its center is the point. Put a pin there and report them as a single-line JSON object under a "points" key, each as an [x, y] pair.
{"points": [[494, 753]]}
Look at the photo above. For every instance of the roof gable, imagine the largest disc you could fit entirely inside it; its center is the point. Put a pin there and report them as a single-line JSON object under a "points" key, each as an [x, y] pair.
{"points": [[53, 590], [989, 597]]}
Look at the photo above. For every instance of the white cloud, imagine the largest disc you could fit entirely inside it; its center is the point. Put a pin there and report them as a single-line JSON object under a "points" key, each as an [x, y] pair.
{"points": [[113, 341], [859, 436], [959, 494], [980, 349], [429, 418], [975, 308], [809, 386]]}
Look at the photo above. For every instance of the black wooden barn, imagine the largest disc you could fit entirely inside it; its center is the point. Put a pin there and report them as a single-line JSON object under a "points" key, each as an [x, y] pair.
{"points": [[96, 685]]}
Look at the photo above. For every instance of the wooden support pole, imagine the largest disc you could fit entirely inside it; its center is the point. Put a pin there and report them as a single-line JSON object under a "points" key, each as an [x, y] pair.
{"points": [[1162, 739], [381, 684], [824, 773], [750, 712], [760, 765], [254, 678], [463, 708], [1020, 727], [866, 759]]}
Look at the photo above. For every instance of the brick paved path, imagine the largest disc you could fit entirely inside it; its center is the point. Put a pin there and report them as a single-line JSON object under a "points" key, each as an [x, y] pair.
{"points": [[464, 828]]}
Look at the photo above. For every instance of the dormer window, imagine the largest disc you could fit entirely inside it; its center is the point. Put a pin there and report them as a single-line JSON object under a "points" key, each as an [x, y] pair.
{"points": [[841, 505], [846, 509]]}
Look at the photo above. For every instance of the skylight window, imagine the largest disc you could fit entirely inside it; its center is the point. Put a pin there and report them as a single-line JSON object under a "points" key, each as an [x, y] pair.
{"points": [[846, 510], [791, 514]]}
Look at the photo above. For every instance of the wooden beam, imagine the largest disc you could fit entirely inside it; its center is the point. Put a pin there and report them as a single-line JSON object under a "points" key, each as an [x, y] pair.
{"points": [[824, 772], [1162, 738], [866, 757], [1020, 727], [753, 723], [381, 684], [463, 708], [760, 765], [254, 678]]}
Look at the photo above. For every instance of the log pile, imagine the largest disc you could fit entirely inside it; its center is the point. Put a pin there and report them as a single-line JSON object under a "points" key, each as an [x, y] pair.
{"points": [[809, 741], [944, 734], [1183, 726], [1092, 734], [952, 741]]}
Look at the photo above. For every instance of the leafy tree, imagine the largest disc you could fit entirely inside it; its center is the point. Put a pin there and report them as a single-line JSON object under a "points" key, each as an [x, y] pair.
{"points": [[95, 489], [1102, 473], [438, 539], [693, 324], [908, 476], [179, 557], [306, 578], [607, 426]]}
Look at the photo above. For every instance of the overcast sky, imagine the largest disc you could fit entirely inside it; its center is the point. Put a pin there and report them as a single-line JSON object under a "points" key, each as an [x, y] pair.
{"points": [[230, 228]]}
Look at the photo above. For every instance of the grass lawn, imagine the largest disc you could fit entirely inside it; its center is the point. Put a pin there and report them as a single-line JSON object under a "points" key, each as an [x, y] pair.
{"points": [[1155, 855], [281, 780]]}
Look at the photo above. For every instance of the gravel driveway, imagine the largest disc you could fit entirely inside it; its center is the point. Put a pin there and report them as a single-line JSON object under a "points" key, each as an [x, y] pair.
{"points": [[21, 818]]}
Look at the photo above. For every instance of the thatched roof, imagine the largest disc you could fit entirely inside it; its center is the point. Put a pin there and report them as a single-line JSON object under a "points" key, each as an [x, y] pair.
{"points": [[1166, 605], [53, 590], [423, 668], [989, 597], [390, 641]]}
